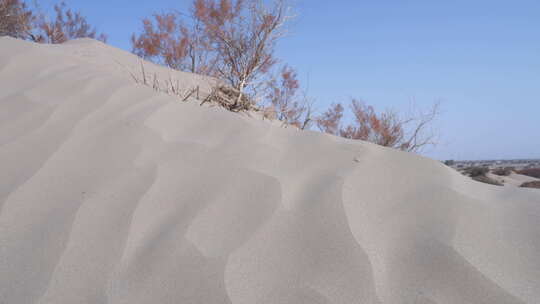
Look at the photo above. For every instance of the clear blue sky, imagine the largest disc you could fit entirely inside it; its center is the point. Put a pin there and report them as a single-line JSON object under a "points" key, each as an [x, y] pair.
{"points": [[480, 57]]}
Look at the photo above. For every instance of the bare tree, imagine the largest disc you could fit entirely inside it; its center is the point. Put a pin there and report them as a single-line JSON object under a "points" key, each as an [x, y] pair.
{"points": [[419, 129], [232, 40], [389, 129], [66, 25], [243, 34], [15, 19]]}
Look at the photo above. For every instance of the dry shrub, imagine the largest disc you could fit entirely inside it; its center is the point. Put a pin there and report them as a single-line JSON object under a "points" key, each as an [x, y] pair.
{"points": [[532, 172], [224, 96], [330, 121], [227, 97], [450, 162], [486, 180], [535, 184], [228, 39], [476, 171], [503, 171], [15, 19], [386, 129], [169, 41], [286, 102], [65, 25], [479, 174], [243, 33]]}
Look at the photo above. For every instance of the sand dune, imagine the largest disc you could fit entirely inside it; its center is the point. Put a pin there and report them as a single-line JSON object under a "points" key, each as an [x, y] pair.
{"points": [[512, 180], [113, 193]]}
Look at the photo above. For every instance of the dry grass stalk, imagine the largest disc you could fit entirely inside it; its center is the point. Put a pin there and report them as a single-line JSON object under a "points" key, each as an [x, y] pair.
{"points": [[169, 86]]}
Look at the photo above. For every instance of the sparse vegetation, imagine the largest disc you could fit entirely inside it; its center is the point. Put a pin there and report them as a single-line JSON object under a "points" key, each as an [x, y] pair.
{"points": [[506, 171], [449, 162], [479, 174], [19, 21], [535, 184], [166, 39], [168, 86], [16, 20], [65, 25], [286, 104], [231, 40], [227, 97], [532, 172], [387, 128], [476, 171], [486, 180], [234, 41]]}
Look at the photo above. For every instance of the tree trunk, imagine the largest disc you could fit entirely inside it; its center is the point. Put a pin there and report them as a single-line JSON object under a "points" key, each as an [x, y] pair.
{"points": [[240, 93]]}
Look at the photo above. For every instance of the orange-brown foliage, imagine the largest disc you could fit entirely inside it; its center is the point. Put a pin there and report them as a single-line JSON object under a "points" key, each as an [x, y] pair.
{"points": [[286, 104], [385, 129], [66, 25], [167, 40], [243, 34], [330, 121], [15, 19], [231, 39]]}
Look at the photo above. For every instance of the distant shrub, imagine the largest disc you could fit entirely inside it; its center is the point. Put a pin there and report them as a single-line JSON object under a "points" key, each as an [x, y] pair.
{"points": [[477, 171], [503, 171], [532, 172], [535, 184], [486, 180], [449, 162]]}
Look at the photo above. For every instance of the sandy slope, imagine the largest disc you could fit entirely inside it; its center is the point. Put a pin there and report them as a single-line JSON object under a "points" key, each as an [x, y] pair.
{"points": [[512, 180], [111, 193]]}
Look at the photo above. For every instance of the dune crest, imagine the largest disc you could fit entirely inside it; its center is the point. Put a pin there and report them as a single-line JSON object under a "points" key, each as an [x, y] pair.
{"points": [[113, 193]]}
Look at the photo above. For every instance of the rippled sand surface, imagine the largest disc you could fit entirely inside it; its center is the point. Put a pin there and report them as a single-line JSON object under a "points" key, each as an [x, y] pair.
{"points": [[113, 193]]}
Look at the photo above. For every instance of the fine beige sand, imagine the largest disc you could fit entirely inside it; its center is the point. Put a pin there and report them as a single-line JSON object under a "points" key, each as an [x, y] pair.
{"points": [[512, 180], [113, 193]]}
